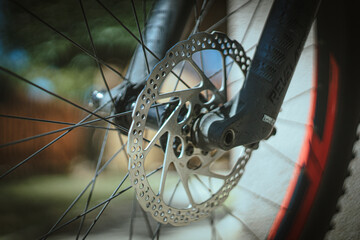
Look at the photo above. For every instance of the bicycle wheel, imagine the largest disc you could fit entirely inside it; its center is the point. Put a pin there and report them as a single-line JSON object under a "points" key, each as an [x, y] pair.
{"points": [[264, 204]]}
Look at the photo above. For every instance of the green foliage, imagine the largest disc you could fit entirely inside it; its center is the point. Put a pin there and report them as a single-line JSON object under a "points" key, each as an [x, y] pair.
{"points": [[52, 56]]}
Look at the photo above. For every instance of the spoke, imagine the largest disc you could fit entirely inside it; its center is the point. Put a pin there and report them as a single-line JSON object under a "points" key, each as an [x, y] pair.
{"points": [[35, 119], [69, 39], [83, 124], [206, 81], [185, 181], [162, 104], [122, 144], [170, 201], [148, 226], [298, 95], [144, 12], [50, 143], [114, 195], [157, 116], [69, 129], [282, 155], [55, 122], [178, 77], [106, 203], [275, 204], [184, 93], [46, 146], [141, 38], [32, 155], [84, 190], [157, 231], [101, 154], [94, 52], [73, 125], [234, 81], [168, 159], [196, 14], [59, 97], [136, 38], [221, 21], [46, 134], [213, 228], [37, 136], [228, 211], [206, 172], [250, 23], [80, 124], [202, 62], [218, 71], [203, 12], [133, 213], [152, 143], [124, 26], [203, 69], [159, 133], [225, 76], [202, 183], [173, 194], [251, 48], [300, 124]]}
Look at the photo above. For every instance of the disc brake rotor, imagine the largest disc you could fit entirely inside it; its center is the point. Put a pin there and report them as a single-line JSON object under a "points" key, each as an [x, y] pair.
{"points": [[181, 83]]}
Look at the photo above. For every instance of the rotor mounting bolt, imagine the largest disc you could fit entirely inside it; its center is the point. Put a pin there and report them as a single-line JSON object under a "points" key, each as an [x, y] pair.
{"points": [[185, 129], [197, 109], [189, 150], [203, 152]]}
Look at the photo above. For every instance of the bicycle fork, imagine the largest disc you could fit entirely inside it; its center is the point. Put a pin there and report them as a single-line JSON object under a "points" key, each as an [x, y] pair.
{"points": [[251, 115]]}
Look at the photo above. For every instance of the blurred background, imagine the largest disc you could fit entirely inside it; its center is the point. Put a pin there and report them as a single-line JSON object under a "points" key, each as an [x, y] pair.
{"points": [[35, 52], [34, 195]]}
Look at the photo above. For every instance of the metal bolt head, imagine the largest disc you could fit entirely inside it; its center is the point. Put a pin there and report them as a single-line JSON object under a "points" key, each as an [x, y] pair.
{"points": [[189, 150], [197, 109], [185, 129], [203, 152]]}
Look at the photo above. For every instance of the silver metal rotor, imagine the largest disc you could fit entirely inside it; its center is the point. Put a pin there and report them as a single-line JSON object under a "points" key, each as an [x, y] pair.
{"points": [[174, 133]]}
